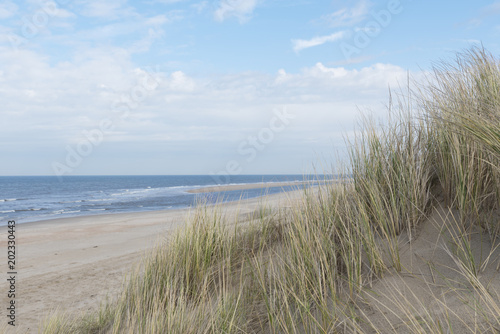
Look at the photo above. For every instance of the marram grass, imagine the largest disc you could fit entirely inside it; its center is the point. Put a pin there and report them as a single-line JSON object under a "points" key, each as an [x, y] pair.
{"points": [[310, 269]]}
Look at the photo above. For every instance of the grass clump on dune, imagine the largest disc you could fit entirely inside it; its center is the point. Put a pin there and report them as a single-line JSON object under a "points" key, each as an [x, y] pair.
{"points": [[391, 247], [463, 102]]}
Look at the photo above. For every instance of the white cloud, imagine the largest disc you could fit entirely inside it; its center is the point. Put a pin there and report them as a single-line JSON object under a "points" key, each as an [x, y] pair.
{"points": [[7, 9], [368, 76], [180, 82], [241, 9], [347, 17], [109, 9], [301, 44]]}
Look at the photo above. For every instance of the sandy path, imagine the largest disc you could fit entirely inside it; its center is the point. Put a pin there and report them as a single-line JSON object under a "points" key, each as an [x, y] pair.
{"points": [[73, 263]]}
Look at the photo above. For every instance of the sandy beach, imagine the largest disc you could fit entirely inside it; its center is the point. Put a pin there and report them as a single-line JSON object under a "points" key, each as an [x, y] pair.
{"points": [[72, 264], [246, 186]]}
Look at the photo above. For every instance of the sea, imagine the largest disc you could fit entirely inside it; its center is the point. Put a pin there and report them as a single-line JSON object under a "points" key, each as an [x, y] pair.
{"points": [[36, 198]]}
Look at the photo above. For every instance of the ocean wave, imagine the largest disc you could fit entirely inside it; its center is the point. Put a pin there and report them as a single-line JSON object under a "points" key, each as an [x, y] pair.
{"points": [[124, 192], [98, 200], [8, 211], [33, 209], [8, 200], [237, 184], [76, 211], [141, 191], [134, 191]]}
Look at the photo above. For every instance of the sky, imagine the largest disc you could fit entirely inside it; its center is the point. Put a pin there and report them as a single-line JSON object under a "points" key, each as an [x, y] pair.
{"points": [[225, 87]]}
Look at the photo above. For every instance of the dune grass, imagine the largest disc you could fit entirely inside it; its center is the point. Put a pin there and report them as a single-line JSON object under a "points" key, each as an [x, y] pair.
{"points": [[311, 268]]}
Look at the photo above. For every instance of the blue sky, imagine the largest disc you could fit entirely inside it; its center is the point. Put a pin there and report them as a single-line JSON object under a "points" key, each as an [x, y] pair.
{"points": [[201, 87]]}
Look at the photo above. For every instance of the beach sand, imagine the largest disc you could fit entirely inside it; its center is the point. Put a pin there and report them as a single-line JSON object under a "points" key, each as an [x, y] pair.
{"points": [[245, 186], [72, 264]]}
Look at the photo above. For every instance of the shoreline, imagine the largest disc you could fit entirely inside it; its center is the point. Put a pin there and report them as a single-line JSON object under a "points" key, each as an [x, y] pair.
{"points": [[208, 189]]}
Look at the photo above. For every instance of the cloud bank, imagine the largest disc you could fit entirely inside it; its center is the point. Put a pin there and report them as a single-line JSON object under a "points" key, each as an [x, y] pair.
{"points": [[47, 107]]}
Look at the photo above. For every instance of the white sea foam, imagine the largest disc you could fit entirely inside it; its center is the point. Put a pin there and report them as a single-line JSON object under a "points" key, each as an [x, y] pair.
{"points": [[134, 192], [99, 200]]}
